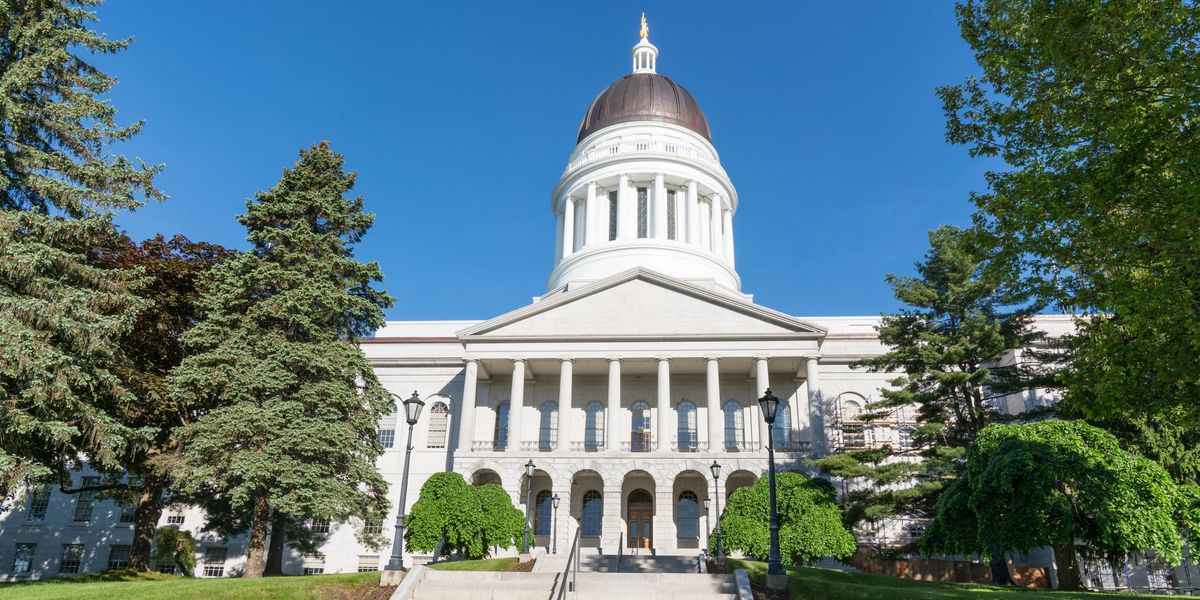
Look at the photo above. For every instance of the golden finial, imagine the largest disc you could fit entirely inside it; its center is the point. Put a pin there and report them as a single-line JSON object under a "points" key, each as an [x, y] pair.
{"points": [[645, 28]]}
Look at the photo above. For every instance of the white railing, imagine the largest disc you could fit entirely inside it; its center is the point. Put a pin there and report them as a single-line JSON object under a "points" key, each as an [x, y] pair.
{"points": [[586, 446], [639, 446], [607, 150], [741, 446], [486, 446], [689, 446], [537, 446]]}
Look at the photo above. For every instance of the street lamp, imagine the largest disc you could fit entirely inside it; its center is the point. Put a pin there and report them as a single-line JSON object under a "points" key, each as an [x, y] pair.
{"points": [[554, 533], [716, 473], [707, 520], [412, 411], [776, 576], [529, 467]]}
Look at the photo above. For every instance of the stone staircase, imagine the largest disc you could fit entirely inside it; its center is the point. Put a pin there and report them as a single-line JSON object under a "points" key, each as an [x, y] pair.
{"points": [[650, 577]]}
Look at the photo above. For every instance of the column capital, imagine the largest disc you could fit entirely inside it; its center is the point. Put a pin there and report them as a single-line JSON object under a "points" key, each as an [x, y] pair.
{"points": [[712, 359], [662, 359], [614, 359], [567, 359], [518, 360]]}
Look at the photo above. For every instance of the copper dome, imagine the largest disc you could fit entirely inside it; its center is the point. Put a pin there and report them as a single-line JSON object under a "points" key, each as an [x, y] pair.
{"points": [[644, 97]]}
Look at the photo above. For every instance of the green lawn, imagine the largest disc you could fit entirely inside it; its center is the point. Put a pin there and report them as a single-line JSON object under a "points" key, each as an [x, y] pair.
{"points": [[153, 586], [487, 564], [826, 584]]}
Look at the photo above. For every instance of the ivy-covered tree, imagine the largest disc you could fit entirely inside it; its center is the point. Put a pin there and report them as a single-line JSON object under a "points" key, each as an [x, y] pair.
{"points": [[810, 521], [60, 182], [946, 344], [1092, 107], [1058, 484], [466, 520], [295, 404]]}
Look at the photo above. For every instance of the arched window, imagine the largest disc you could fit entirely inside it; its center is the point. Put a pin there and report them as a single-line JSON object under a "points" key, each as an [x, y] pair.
{"points": [[500, 431], [687, 426], [734, 426], [548, 434], [853, 429], [781, 430], [593, 510], [542, 512], [639, 435], [688, 514], [593, 426], [439, 422]]}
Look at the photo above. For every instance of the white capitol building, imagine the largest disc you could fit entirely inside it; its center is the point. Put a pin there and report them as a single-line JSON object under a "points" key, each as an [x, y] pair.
{"points": [[638, 367]]}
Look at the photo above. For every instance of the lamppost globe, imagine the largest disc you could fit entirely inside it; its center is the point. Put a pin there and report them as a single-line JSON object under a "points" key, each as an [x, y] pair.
{"points": [[529, 467], [769, 404], [412, 408], [716, 469], [707, 500], [555, 500]]}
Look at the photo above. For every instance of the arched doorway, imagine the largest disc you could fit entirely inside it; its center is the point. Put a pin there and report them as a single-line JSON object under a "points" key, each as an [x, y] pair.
{"points": [[640, 518]]}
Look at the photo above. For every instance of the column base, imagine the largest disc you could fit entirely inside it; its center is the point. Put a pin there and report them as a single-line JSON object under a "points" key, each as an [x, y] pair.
{"points": [[391, 577]]}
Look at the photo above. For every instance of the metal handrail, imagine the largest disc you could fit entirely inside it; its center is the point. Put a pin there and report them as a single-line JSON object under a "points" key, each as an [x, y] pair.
{"points": [[572, 568]]}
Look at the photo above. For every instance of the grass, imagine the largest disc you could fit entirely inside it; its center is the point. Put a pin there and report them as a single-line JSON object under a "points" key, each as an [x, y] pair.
{"points": [[487, 564], [826, 584], [127, 585]]}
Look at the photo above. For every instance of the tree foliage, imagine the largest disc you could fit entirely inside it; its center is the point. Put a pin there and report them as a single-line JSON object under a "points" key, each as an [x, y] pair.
{"points": [[295, 404], [810, 522], [175, 546], [1057, 483], [470, 520], [1092, 106]]}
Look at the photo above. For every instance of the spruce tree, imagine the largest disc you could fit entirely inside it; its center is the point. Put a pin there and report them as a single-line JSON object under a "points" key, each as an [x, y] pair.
{"points": [[60, 183], [295, 404]]}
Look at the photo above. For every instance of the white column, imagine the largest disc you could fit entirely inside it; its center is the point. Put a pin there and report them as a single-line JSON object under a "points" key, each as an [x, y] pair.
{"points": [[612, 439], [626, 210], [566, 371], [816, 408], [593, 215], [558, 235], [666, 422], [660, 208], [693, 215], [714, 223], [716, 419], [705, 240], [466, 407], [516, 406], [727, 225], [568, 238], [762, 381]]}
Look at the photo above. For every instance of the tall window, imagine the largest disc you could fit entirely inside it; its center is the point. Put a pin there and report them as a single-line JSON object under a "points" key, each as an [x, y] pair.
{"points": [[689, 515], [387, 437], [543, 507], [214, 562], [85, 501], [439, 422], [593, 511], [548, 433], [687, 426], [671, 214], [781, 430], [643, 213], [118, 557], [593, 426], [734, 426], [639, 435], [500, 431], [319, 526], [23, 559], [72, 555], [612, 216], [39, 499]]}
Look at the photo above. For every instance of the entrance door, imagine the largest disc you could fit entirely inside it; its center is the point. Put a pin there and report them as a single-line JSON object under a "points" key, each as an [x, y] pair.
{"points": [[640, 516]]}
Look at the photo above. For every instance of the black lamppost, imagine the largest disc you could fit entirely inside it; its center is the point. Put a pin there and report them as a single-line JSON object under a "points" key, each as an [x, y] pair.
{"points": [[412, 411], [776, 576], [716, 473], [707, 520], [554, 532], [529, 467]]}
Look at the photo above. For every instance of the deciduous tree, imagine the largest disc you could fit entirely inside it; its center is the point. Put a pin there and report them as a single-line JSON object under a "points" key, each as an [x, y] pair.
{"points": [[810, 522], [466, 520]]}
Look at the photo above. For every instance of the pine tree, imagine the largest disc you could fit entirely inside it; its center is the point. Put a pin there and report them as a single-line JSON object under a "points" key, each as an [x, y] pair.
{"points": [[60, 182], [295, 402]]}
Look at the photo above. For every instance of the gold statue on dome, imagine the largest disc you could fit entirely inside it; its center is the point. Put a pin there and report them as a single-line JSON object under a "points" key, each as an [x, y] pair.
{"points": [[645, 28]]}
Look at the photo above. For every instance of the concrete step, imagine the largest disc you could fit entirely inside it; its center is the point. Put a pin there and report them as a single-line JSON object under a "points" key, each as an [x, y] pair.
{"points": [[640, 564], [467, 585]]}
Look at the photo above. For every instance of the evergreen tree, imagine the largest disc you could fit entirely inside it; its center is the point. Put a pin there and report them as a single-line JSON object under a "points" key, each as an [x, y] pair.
{"points": [[295, 402], [60, 318], [947, 344]]}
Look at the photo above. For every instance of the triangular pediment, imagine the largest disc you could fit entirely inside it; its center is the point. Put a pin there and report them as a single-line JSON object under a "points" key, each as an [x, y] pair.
{"points": [[642, 304]]}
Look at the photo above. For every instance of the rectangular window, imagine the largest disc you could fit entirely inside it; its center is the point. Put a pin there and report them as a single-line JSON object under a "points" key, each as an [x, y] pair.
{"points": [[319, 526], [174, 519], [387, 437], [128, 513], [368, 563], [165, 567], [643, 222], [670, 214], [118, 557], [612, 216], [373, 528], [39, 499], [23, 559], [314, 564], [314, 570], [214, 562], [72, 555], [85, 501]]}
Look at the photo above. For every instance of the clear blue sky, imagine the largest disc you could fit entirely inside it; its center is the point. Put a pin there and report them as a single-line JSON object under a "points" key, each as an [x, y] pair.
{"points": [[459, 118]]}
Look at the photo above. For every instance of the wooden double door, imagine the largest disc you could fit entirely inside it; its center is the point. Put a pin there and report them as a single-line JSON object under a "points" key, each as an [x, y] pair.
{"points": [[639, 517]]}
